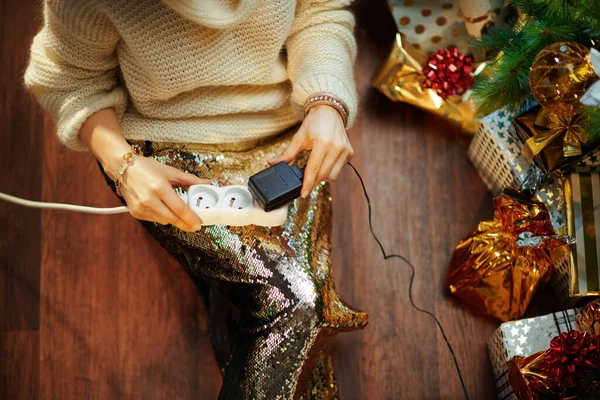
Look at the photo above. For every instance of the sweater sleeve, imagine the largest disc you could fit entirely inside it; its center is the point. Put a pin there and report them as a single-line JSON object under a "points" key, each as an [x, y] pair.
{"points": [[321, 52], [72, 68]]}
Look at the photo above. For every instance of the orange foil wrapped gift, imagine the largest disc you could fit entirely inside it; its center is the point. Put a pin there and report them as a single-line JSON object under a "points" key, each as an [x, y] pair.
{"points": [[588, 320], [500, 265]]}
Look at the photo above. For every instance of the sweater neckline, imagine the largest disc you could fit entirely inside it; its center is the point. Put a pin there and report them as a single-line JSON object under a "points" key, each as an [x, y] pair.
{"points": [[217, 14]]}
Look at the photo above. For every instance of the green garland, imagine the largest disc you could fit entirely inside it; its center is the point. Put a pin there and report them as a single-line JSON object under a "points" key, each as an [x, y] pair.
{"points": [[513, 47]]}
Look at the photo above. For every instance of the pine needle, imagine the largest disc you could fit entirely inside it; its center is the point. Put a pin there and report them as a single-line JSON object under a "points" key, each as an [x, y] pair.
{"points": [[513, 47], [593, 124]]}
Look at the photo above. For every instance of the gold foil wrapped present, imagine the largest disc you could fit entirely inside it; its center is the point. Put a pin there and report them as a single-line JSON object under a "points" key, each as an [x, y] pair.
{"points": [[522, 370], [400, 78], [588, 320], [499, 267]]}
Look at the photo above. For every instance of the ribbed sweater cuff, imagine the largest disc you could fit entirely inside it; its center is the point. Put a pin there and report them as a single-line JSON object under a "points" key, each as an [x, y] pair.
{"points": [[325, 83], [73, 115]]}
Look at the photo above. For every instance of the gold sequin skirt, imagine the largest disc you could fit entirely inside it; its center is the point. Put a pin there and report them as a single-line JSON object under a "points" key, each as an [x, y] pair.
{"points": [[278, 279]]}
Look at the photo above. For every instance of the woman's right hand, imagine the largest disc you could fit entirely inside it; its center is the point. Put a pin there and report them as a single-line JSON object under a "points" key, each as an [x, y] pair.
{"points": [[148, 192], [147, 184]]}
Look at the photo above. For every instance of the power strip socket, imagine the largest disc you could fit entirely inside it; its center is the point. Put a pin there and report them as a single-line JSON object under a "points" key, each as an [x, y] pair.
{"points": [[230, 205]]}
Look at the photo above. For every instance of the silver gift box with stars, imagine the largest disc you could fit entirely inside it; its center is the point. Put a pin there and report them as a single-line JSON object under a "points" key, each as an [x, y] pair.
{"points": [[523, 338]]}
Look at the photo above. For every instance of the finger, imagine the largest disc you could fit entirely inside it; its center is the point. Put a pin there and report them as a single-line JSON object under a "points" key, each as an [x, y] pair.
{"points": [[339, 165], [180, 208], [313, 166], [329, 162], [292, 151], [164, 215], [151, 208], [184, 178], [173, 219]]}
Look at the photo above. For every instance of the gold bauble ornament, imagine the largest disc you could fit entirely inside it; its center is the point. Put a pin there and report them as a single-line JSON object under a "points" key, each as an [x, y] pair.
{"points": [[560, 75]]}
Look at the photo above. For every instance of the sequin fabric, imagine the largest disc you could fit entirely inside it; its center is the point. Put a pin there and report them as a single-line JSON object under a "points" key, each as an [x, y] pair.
{"points": [[278, 278]]}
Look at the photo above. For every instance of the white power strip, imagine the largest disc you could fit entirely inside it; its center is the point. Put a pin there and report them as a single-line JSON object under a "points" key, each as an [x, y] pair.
{"points": [[229, 205]]}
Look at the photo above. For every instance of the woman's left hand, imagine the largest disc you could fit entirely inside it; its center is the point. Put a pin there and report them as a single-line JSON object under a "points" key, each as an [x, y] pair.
{"points": [[324, 134]]}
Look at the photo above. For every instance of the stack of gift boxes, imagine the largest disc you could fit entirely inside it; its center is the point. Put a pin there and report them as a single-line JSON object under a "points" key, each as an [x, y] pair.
{"points": [[571, 194], [546, 224], [570, 191]]}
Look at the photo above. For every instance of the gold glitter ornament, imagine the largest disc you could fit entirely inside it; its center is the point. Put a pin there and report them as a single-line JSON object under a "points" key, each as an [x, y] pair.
{"points": [[560, 75]]}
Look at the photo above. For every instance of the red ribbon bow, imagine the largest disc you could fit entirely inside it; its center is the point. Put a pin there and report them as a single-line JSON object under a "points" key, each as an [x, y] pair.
{"points": [[571, 356], [448, 72]]}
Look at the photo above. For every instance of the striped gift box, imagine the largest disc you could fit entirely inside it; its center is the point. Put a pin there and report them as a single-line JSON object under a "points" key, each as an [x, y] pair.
{"points": [[523, 338], [582, 194]]}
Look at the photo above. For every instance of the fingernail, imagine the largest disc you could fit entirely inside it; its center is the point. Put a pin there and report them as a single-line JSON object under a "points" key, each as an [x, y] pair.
{"points": [[304, 194]]}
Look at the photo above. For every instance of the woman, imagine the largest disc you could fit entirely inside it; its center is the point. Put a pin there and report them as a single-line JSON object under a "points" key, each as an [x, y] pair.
{"points": [[181, 92]]}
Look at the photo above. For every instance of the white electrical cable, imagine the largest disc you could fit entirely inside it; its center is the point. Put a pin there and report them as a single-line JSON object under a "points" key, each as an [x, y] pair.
{"points": [[63, 206]]}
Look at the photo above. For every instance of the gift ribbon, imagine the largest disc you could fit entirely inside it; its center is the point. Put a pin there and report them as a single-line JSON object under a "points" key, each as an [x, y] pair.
{"points": [[481, 18], [569, 127], [559, 372]]}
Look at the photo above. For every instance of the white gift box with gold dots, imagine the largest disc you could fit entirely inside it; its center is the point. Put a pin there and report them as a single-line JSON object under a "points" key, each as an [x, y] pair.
{"points": [[433, 24]]}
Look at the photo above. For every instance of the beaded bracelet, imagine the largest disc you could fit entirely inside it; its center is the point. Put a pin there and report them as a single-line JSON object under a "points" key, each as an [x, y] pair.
{"points": [[327, 100], [127, 159]]}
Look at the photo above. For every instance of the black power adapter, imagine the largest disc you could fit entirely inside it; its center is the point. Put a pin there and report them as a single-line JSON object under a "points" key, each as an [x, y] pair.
{"points": [[276, 186]]}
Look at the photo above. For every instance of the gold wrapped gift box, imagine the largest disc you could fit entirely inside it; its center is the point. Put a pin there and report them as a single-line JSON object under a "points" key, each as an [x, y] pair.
{"points": [[400, 78], [499, 267]]}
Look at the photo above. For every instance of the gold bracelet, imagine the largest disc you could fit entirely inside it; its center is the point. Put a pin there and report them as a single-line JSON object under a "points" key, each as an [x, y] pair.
{"points": [[127, 159], [327, 100]]}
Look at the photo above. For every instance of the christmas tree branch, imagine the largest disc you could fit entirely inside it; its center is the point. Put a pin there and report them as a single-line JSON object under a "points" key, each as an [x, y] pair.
{"points": [[593, 124], [514, 47]]}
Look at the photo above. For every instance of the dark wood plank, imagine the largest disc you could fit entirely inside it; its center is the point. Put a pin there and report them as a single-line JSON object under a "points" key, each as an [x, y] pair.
{"points": [[120, 317], [176, 360], [20, 172], [79, 342], [426, 197], [19, 365]]}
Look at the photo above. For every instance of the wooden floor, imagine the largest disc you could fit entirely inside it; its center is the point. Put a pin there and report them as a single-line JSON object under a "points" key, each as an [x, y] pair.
{"points": [[92, 308]]}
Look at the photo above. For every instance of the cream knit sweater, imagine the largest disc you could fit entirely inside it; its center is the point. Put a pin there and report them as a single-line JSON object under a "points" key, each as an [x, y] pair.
{"points": [[209, 71]]}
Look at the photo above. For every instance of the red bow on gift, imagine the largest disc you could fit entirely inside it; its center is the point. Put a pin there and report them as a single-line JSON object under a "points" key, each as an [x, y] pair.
{"points": [[570, 357], [448, 72], [559, 372]]}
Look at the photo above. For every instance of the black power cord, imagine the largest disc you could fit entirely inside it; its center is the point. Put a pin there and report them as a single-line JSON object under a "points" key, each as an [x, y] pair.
{"points": [[281, 183], [410, 285]]}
